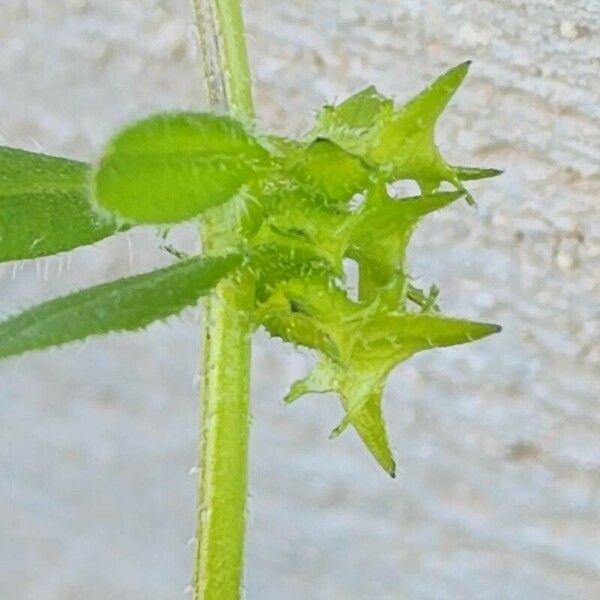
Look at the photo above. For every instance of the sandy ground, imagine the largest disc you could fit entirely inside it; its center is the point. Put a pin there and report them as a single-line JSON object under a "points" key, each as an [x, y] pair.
{"points": [[498, 444]]}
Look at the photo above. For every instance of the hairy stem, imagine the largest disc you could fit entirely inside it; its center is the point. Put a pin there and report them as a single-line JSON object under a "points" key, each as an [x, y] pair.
{"points": [[224, 424], [224, 56], [234, 59], [224, 444]]}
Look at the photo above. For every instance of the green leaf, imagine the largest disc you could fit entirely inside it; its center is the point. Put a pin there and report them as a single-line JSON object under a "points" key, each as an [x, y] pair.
{"points": [[360, 345], [379, 235], [370, 426], [171, 167], [356, 389], [330, 170], [405, 142], [123, 305], [290, 324], [396, 218], [351, 124], [398, 336], [359, 111], [359, 382], [402, 142], [384, 341], [274, 265], [305, 204], [44, 206], [472, 173], [425, 302]]}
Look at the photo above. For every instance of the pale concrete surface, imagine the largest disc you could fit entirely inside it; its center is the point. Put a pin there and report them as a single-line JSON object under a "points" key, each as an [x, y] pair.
{"points": [[498, 444]]}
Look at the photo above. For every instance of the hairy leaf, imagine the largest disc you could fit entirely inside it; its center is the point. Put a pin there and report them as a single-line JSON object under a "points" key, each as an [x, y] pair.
{"points": [[123, 305], [397, 336], [171, 167], [405, 143], [401, 142], [297, 208], [368, 421], [353, 123], [379, 235], [290, 324], [274, 264], [44, 207], [396, 218], [369, 342], [370, 426], [333, 172]]}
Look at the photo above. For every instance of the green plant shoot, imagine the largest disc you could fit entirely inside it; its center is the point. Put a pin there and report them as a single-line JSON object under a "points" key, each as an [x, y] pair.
{"points": [[279, 216]]}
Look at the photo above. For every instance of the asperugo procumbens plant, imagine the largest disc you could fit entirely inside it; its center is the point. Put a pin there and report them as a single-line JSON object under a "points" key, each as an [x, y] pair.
{"points": [[278, 216]]}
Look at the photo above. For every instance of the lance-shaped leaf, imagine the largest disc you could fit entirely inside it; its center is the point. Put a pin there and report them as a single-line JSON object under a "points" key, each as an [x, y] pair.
{"points": [[370, 426], [397, 336], [44, 207], [172, 167], [123, 305], [473, 173]]}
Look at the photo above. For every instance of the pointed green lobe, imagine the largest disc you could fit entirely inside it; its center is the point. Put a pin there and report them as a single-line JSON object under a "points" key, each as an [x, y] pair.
{"points": [[368, 345]]}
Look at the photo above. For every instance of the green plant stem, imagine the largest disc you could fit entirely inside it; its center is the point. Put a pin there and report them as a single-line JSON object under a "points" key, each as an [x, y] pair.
{"points": [[225, 57], [224, 444], [234, 59], [225, 417]]}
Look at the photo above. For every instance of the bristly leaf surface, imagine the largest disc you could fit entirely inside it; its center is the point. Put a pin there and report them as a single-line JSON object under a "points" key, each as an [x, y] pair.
{"points": [[44, 206], [172, 167], [123, 305], [402, 141], [292, 212]]}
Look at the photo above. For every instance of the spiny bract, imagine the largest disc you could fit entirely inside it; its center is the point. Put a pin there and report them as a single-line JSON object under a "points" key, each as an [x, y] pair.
{"points": [[300, 208]]}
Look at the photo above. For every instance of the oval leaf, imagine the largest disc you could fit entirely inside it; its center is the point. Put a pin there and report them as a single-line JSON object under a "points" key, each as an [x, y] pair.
{"points": [[44, 206], [171, 167], [122, 305]]}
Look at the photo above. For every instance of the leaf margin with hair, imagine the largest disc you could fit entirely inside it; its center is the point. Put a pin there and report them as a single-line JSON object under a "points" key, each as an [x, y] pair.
{"points": [[44, 206], [126, 304], [170, 167], [359, 350], [382, 139]]}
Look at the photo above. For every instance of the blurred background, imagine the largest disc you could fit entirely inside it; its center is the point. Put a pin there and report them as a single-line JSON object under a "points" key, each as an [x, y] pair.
{"points": [[498, 443]]}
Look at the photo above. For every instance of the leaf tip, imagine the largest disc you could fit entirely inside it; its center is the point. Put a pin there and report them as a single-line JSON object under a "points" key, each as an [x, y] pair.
{"points": [[489, 329]]}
